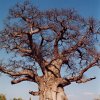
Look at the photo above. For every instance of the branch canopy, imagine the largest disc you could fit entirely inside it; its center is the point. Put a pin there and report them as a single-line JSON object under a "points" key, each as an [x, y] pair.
{"points": [[49, 41]]}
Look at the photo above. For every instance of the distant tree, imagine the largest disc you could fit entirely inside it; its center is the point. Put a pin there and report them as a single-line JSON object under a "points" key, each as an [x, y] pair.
{"points": [[14, 99], [2, 97], [50, 42], [30, 98], [98, 98], [17, 99]]}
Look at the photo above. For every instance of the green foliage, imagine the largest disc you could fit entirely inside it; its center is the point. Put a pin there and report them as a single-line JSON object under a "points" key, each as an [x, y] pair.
{"points": [[2, 97]]}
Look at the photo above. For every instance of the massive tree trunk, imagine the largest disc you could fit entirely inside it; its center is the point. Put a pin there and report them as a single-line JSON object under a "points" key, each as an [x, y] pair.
{"points": [[50, 84], [51, 91], [50, 94]]}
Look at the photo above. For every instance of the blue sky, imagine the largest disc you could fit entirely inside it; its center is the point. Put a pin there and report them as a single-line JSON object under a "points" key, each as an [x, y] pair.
{"points": [[86, 91]]}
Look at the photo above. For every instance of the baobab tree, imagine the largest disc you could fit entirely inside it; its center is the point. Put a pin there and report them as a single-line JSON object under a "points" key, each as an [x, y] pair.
{"points": [[49, 42]]}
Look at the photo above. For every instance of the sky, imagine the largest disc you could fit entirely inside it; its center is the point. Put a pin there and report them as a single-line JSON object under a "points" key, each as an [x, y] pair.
{"points": [[87, 91]]}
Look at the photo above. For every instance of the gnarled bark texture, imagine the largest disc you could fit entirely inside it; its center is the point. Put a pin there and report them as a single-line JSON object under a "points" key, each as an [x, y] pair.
{"points": [[50, 85], [51, 91], [52, 94]]}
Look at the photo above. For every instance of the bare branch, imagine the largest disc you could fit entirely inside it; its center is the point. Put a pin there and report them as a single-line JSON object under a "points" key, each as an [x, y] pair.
{"points": [[21, 79], [92, 64], [20, 73], [34, 93], [36, 53], [85, 80], [80, 76], [64, 82], [56, 52], [23, 50], [39, 29], [75, 47]]}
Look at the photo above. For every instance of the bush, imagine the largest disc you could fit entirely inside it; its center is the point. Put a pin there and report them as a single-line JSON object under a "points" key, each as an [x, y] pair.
{"points": [[2, 97], [17, 99]]}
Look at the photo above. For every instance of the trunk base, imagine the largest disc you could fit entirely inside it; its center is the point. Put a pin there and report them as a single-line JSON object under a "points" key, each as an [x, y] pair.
{"points": [[52, 94]]}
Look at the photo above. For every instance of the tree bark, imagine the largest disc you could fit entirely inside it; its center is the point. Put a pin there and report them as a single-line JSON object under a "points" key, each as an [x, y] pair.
{"points": [[52, 93], [50, 85]]}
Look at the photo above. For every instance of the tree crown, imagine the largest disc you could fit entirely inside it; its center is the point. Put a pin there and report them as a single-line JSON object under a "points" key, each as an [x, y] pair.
{"points": [[42, 37]]}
